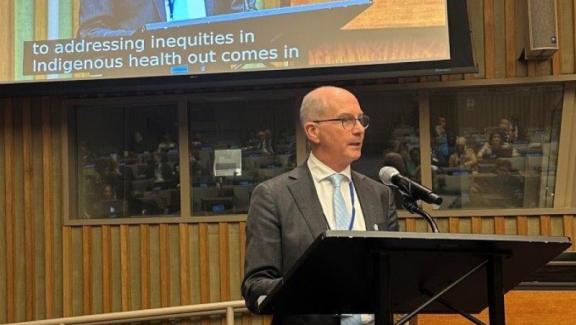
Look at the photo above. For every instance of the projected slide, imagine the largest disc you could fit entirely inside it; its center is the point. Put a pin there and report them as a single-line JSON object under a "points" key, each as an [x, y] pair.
{"points": [[89, 39]]}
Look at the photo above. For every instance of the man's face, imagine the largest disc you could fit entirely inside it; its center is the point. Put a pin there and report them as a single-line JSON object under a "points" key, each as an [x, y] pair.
{"points": [[338, 147]]}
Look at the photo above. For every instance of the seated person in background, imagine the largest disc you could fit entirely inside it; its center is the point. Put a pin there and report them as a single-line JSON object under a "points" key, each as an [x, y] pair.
{"points": [[196, 141], [107, 205], [441, 141], [506, 131], [463, 156], [495, 148], [393, 159], [265, 141], [114, 18], [166, 144], [162, 170], [413, 164]]}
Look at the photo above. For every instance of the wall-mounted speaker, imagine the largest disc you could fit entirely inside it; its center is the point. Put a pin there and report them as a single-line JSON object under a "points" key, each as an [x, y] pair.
{"points": [[542, 30]]}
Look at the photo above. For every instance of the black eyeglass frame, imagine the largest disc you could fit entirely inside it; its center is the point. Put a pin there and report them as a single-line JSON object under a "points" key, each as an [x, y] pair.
{"points": [[364, 120]]}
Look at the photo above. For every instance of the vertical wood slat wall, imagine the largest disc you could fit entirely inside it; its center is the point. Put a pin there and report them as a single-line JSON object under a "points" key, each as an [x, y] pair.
{"points": [[49, 270]]}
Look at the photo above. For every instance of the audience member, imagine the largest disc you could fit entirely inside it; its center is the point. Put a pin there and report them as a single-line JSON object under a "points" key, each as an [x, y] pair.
{"points": [[265, 141], [166, 144], [413, 164], [107, 205], [162, 170], [496, 148], [394, 159], [463, 156], [506, 131]]}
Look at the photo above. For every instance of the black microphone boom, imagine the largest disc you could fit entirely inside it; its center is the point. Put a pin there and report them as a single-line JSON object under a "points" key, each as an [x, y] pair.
{"points": [[391, 176]]}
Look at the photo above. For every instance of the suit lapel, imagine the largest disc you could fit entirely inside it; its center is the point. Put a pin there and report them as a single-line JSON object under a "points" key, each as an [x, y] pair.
{"points": [[161, 8], [369, 201], [304, 194]]}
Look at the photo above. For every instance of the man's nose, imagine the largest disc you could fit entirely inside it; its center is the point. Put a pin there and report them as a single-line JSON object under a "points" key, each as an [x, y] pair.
{"points": [[358, 128]]}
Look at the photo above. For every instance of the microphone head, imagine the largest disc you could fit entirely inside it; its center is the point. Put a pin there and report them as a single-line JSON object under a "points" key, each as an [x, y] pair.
{"points": [[386, 173]]}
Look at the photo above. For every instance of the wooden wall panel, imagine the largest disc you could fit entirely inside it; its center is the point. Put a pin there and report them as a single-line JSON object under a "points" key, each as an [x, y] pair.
{"points": [[116, 299], [489, 40], [476, 17], [47, 225], [144, 264], [499, 17], [57, 198], [510, 39], [19, 224], [213, 262], [3, 264], [77, 276], [6, 37], [106, 270], [96, 273], [520, 35], [37, 211], [523, 307], [155, 291], [566, 35], [7, 215], [184, 258], [87, 291], [234, 261], [164, 266], [194, 244], [174, 265], [134, 266]]}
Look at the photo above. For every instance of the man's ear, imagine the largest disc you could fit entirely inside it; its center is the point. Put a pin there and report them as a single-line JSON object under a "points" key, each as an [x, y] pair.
{"points": [[312, 132]]}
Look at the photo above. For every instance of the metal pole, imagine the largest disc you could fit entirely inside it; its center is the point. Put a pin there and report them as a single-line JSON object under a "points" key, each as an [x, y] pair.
{"points": [[229, 315]]}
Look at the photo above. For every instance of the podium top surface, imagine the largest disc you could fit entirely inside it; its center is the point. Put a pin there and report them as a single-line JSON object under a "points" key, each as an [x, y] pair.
{"points": [[336, 274]]}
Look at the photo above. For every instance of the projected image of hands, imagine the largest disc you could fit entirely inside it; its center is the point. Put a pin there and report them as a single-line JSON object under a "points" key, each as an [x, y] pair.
{"points": [[133, 38]]}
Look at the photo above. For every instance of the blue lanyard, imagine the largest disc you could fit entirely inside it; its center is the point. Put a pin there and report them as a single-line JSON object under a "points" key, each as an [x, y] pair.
{"points": [[353, 208]]}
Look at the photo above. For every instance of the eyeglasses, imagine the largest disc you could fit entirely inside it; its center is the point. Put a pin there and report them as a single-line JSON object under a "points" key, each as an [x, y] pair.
{"points": [[348, 123]]}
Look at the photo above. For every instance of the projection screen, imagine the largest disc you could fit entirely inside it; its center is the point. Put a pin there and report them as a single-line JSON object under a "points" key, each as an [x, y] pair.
{"points": [[95, 39]]}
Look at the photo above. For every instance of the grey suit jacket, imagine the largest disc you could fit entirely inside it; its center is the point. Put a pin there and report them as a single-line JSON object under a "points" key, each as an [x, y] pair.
{"points": [[109, 18], [285, 217]]}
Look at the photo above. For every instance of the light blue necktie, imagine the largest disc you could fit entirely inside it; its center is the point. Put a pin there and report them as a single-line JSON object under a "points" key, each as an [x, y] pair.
{"points": [[342, 219], [341, 215]]}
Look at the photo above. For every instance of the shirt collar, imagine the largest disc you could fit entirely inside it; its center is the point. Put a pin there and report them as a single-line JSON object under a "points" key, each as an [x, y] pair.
{"points": [[320, 171]]}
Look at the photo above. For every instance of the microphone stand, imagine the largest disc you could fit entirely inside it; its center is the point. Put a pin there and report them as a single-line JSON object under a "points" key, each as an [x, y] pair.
{"points": [[409, 203]]}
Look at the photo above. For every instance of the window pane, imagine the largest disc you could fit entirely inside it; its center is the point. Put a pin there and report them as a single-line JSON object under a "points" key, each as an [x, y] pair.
{"points": [[234, 145], [392, 139], [127, 161], [496, 148]]}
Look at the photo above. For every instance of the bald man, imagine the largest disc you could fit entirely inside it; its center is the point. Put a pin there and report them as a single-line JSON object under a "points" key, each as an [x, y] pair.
{"points": [[289, 211]]}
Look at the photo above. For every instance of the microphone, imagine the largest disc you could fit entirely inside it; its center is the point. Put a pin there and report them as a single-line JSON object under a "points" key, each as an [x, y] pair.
{"points": [[391, 176]]}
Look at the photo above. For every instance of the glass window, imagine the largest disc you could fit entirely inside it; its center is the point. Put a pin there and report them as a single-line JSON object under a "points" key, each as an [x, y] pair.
{"points": [[496, 148], [236, 144], [126, 161], [392, 139]]}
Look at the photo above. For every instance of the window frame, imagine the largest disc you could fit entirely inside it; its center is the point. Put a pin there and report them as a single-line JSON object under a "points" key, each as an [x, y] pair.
{"points": [[564, 200]]}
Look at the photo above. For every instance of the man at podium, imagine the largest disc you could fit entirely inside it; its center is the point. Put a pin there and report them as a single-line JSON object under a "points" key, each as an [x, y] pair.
{"points": [[289, 211], [114, 18]]}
